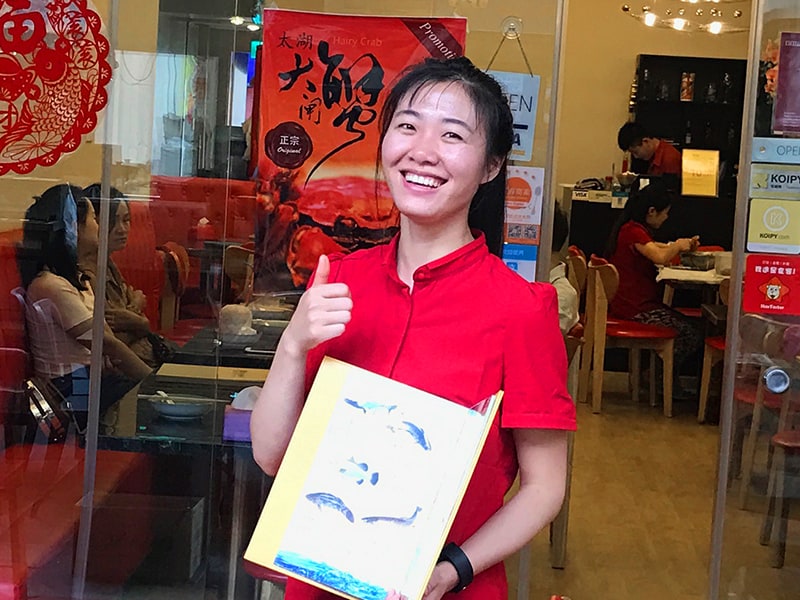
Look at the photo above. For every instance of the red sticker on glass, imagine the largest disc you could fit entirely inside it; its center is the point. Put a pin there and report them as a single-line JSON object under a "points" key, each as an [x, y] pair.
{"points": [[772, 284], [53, 75]]}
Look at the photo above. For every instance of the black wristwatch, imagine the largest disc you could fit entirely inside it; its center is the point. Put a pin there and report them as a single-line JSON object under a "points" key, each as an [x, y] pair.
{"points": [[456, 557]]}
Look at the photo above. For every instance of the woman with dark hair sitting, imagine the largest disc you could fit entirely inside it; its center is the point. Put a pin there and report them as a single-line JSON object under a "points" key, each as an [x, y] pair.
{"points": [[124, 305], [635, 254], [60, 229]]}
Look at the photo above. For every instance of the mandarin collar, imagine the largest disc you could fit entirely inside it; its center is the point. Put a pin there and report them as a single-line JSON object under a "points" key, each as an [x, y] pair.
{"points": [[449, 264]]}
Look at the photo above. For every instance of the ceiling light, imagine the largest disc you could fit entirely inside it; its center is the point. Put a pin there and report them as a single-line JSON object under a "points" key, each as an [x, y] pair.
{"points": [[253, 27], [650, 19], [237, 20], [715, 27], [678, 24]]}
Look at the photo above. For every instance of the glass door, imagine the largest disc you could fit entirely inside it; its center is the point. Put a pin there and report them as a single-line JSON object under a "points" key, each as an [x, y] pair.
{"points": [[756, 539]]}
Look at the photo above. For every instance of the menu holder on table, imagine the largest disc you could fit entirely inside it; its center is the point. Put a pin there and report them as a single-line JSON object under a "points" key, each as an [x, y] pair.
{"points": [[370, 484]]}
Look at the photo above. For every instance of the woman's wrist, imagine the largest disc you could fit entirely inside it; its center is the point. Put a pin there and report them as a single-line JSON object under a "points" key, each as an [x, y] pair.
{"points": [[444, 577]]}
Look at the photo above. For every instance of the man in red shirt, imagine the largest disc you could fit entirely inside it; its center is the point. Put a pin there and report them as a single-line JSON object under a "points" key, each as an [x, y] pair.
{"points": [[663, 158]]}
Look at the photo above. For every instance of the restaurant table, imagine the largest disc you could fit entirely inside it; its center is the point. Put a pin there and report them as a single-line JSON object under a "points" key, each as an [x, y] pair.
{"points": [[207, 348], [679, 277], [157, 435]]}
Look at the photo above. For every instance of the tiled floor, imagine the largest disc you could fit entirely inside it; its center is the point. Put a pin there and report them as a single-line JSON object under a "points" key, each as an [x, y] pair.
{"points": [[640, 516]]}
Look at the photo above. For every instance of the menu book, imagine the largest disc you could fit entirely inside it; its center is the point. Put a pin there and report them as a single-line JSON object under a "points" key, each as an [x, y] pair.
{"points": [[370, 484]]}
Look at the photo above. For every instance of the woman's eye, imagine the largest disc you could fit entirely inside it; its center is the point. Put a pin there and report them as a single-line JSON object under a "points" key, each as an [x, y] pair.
{"points": [[453, 135], [406, 126]]}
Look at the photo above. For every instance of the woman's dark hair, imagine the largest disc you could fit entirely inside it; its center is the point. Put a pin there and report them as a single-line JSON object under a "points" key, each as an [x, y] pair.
{"points": [[93, 193], [492, 112], [50, 234], [656, 193]]}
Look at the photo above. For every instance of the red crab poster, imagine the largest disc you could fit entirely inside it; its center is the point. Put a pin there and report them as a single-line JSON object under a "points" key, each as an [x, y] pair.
{"points": [[772, 284], [53, 75], [323, 82]]}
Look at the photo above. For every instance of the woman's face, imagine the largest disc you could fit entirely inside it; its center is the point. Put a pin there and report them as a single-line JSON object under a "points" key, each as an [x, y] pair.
{"points": [[89, 230], [656, 218], [434, 155], [118, 237]]}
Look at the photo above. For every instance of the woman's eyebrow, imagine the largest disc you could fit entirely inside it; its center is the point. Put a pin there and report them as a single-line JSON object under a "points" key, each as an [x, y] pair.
{"points": [[450, 120]]}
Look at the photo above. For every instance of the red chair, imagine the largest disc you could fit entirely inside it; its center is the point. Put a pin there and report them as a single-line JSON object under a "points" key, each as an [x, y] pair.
{"points": [[786, 446], [573, 250], [276, 581], [713, 353], [602, 332]]}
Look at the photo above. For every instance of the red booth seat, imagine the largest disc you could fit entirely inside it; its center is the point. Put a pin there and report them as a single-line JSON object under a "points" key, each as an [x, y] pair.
{"points": [[41, 487]]}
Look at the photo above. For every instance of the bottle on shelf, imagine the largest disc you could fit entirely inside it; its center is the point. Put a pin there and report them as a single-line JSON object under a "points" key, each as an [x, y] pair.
{"points": [[687, 136], [633, 96], [687, 87], [708, 135], [646, 86], [727, 88]]}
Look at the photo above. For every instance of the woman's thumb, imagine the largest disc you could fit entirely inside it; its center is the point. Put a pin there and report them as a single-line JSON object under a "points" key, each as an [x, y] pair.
{"points": [[322, 272]]}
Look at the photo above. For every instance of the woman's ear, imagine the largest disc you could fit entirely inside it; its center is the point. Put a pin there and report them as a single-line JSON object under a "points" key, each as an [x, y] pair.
{"points": [[651, 211], [493, 168]]}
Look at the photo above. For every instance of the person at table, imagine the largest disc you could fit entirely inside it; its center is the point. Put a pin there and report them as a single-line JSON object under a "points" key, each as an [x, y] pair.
{"points": [[124, 305], [60, 230], [635, 254], [662, 157], [436, 310], [567, 294]]}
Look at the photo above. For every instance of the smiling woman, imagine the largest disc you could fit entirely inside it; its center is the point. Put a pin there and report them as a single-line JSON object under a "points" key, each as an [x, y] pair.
{"points": [[407, 310]]}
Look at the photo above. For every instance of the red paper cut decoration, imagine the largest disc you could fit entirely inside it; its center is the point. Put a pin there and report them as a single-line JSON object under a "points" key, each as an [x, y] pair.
{"points": [[53, 75]]}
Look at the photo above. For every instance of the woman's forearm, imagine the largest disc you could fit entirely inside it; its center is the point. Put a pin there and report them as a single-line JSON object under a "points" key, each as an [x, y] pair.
{"points": [[278, 407], [123, 358], [535, 505]]}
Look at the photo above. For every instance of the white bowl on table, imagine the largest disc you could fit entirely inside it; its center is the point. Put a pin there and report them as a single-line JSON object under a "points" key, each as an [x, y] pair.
{"points": [[180, 408]]}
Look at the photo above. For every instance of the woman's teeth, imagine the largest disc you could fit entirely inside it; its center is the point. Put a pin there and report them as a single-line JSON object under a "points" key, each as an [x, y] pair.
{"points": [[420, 180]]}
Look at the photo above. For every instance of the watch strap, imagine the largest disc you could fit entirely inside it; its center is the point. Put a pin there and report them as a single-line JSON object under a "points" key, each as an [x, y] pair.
{"points": [[453, 554]]}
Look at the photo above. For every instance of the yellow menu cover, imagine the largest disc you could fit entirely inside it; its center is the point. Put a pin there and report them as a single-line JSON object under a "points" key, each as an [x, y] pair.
{"points": [[370, 484]]}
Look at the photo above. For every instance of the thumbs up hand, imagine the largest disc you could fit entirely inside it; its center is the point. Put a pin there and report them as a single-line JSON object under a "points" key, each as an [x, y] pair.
{"points": [[322, 313]]}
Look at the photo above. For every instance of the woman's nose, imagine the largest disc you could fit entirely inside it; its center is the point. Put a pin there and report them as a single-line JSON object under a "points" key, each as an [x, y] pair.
{"points": [[425, 153]]}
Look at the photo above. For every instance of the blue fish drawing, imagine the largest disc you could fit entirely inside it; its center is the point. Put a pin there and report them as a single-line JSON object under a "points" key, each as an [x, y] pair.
{"points": [[404, 521], [359, 471], [415, 432], [366, 407], [324, 499]]}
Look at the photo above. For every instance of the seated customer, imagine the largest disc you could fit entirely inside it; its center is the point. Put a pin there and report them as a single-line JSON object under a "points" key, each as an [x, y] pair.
{"points": [[635, 254], [124, 305], [567, 295], [59, 228]]}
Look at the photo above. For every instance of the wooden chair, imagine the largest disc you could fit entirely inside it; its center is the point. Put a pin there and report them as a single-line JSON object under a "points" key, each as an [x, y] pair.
{"points": [[602, 333], [576, 273], [713, 353], [762, 336], [558, 528], [237, 264], [785, 452], [271, 583]]}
